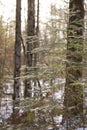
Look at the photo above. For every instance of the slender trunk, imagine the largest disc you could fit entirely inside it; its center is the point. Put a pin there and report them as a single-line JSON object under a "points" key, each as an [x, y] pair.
{"points": [[36, 44], [17, 52], [30, 30], [38, 8], [30, 35], [73, 90]]}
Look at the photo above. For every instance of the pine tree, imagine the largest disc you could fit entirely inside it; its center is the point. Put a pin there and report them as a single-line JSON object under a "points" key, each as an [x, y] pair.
{"points": [[73, 90]]}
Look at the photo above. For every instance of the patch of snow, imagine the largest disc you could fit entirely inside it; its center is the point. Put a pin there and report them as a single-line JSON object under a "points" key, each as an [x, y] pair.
{"points": [[58, 119], [81, 129], [58, 95], [6, 108], [59, 80], [8, 88]]}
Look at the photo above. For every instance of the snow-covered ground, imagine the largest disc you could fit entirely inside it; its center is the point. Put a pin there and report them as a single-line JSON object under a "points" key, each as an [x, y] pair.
{"points": [[5, 109], [7, 104]]}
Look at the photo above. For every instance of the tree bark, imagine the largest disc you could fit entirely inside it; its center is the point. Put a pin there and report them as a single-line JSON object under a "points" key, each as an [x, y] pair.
{"points": [[73, 89], [30, 35], [17, 52], [38, 9], [36, 44]]}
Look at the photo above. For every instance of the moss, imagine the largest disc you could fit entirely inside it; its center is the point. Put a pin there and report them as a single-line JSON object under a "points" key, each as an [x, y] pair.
{"points": [[30, 118]]}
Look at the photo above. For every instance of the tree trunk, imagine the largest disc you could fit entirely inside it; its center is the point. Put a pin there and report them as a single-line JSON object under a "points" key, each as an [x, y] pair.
{"points": [[38, 9], [36, 44], [30, 35], [73, 89], [17, 52]]}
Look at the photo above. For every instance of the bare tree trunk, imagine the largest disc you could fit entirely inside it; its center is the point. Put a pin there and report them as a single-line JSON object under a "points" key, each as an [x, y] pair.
{"points": [[30, 35], [17, 52], [73, 90], [38, 9], [36, 44]]}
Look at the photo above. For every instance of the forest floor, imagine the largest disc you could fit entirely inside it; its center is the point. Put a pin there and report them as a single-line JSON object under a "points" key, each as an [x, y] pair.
{"points": [[6, 110]]}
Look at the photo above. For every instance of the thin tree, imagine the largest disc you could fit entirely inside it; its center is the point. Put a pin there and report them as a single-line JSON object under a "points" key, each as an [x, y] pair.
{"points": [[17, 51], [30, 36], [73, 90], [38, 9], [36, 44]]}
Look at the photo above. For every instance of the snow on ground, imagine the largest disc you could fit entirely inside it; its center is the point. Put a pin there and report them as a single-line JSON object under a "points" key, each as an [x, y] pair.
{"points": [[82, 129], [7, 107]]}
